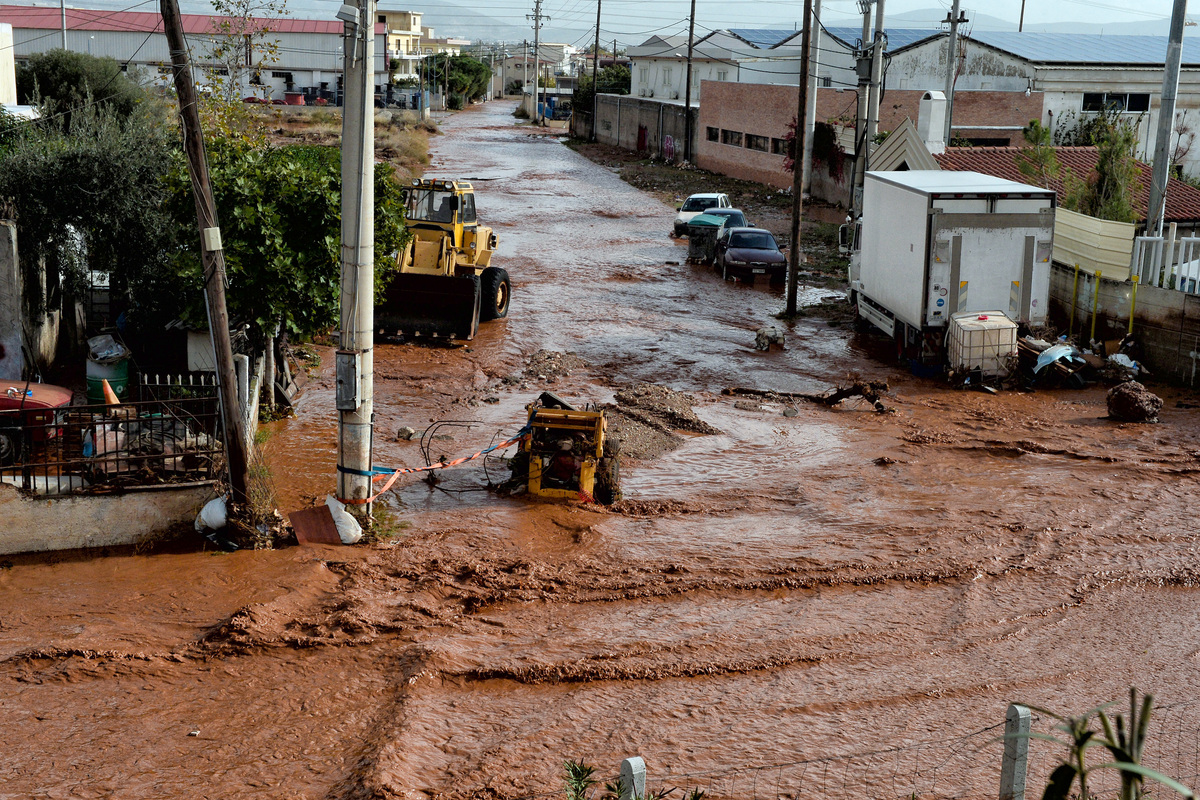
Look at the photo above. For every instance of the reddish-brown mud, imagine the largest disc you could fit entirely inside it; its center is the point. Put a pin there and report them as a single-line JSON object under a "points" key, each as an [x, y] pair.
{"points": [[846, 597]]}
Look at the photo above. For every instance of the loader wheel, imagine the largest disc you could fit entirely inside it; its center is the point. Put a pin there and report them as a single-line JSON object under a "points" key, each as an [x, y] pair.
{"points": [[10, 446], [497, 291], [608, 480]]}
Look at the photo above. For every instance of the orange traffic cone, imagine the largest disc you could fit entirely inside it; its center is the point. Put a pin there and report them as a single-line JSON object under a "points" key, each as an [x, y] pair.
{"points": [[110, 397]]}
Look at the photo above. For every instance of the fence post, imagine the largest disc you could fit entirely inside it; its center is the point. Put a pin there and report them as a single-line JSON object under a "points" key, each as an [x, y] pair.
{"points": [[1015, 767], [633, 778]]}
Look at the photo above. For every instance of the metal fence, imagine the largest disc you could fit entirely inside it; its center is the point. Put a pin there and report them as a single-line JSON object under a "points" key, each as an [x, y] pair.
{"points": [[99, 448], [176, 386], [979, 763], [1167, 263]]}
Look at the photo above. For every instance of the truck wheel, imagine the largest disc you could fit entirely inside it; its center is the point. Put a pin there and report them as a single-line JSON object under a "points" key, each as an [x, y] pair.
{"points": [[608, 480], [10, 446], [497, 292]]}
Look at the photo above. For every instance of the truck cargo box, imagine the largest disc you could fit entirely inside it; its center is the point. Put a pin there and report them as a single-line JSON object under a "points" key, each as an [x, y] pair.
{"points": [[935, 242]]}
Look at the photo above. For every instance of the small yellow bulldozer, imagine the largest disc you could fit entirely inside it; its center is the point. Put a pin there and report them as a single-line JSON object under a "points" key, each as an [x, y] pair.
{"points": [[446, 284]]}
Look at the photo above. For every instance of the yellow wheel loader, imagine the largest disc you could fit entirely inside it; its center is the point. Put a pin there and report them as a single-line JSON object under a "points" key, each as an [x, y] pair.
{"points": [[446, 284]]}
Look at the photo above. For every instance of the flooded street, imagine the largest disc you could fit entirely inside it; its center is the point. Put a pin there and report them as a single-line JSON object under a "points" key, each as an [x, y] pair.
{"points": [[838, 603]]}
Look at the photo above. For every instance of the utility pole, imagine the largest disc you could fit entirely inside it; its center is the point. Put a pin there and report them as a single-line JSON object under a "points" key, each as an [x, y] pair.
{"points": [[793, 277], [1021, 22], [863, 69], [810, 111], [537, 18], [62, 7], [1166, 121], [355, 371], [211, 255], [595, 72], [955, 18], [687, 92], [876, 81]]}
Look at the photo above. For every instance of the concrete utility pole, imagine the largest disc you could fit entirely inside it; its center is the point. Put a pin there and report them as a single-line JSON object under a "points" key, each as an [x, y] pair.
{"points": [[355, 360], [810, 111], [62, 7], [793, 277], [687, 102], [955, 18], [211, 256], [1166, 121], [595, 72], [876, 81], [862, 66], [537, 18]]}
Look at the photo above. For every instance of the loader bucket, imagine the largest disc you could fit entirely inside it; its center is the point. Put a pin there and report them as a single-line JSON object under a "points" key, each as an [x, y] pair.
{"points": [[417, 305]]}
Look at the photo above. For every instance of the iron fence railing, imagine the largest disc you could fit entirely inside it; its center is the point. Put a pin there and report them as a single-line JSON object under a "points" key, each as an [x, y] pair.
{"points": [[100, 448]]}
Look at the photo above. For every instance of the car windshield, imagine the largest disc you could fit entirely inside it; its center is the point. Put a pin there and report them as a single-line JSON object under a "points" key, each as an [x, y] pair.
{"points": [[431, 205], [698, 203], [734, 220], [752, 240]]}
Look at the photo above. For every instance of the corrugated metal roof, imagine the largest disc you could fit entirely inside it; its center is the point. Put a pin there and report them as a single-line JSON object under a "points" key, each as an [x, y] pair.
{"points": [[1086, 48], [82, 19], [1183, 200]]}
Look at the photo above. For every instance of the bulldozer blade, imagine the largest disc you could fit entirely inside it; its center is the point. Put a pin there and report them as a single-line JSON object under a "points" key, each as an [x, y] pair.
{"points": [[429, 305]]}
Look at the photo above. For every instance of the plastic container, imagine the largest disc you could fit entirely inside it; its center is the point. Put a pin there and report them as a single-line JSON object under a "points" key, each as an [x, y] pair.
{"points": [[117, 375], [981, 341]]}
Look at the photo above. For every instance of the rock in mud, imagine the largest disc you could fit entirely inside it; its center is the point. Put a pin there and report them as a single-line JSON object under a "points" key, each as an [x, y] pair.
{"points": [[1131, 402], [405, 434], [766, 336], [746, 405], [549, 365]]}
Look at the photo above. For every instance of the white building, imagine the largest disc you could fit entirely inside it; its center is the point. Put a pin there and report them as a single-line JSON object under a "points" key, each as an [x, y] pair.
{"points": [[309, 50], [739, 56]]}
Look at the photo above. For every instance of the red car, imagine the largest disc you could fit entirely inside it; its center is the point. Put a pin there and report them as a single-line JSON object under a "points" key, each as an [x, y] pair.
{"points": [[33, 406]]}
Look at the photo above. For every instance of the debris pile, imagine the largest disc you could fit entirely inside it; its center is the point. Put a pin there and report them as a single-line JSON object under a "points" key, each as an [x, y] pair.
{"points": [[645, 419], [871, 391], [766, 336], [550, 365], [1130, 402]]}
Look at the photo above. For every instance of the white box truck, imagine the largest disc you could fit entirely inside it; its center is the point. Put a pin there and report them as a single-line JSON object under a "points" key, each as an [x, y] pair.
{"points": [[934, 243]]}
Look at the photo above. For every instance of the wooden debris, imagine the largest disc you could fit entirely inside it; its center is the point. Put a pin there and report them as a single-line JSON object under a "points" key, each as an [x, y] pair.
{"points": [[868, 390]]}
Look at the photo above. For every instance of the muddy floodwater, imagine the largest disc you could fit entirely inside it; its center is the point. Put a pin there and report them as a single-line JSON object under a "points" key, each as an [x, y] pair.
{"points": [[838, 603]]}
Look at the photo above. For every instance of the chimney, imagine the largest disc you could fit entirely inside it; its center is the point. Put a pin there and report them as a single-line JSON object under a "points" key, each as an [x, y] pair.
{"points": [[931, 122]]}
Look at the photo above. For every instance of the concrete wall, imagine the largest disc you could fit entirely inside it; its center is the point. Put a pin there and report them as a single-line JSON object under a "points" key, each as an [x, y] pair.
{"points": [[11, 361], [33, 525], [8, 74], [1166, 322], [660, 127]]}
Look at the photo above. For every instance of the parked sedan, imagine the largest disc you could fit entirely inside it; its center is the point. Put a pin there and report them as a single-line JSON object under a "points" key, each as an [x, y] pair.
{"points": [[734, 218], [746, 253], [695, 205]]}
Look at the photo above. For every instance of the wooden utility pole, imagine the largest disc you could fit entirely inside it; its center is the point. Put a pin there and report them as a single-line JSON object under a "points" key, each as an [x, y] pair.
{"points": [[955, 18], [793, 278], [687, 91], [537, 16], [211, 255], [595, 72]]}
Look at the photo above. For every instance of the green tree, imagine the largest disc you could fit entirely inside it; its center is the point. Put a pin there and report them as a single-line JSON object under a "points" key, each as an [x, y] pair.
{"points": [[241, 45], [613, 79], [62, 81], [280, 212], [1038, 161], [467, 78]]}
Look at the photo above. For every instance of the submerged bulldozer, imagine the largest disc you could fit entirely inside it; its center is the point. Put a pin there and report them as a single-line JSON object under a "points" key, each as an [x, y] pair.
{"points": [[446, 284]]}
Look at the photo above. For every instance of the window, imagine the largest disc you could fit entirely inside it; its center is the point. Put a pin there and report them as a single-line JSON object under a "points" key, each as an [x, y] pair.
{"points": [[643, 75], [779, 147], [731, 137], [826, 81], [714, 134], [666, 73], [1120, 102], [722, 75], [760, 143]]}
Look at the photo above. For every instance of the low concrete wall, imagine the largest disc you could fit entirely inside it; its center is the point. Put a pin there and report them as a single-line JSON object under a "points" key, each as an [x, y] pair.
{"points": [[644, 125], [33, 525], [1166, 322]]}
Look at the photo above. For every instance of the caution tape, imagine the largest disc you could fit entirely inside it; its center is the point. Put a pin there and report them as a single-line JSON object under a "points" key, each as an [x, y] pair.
{"points": [[391, 475]]}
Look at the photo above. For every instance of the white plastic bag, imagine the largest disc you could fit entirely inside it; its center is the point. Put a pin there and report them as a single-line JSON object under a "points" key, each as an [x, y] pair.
{"points": [[347, 526], [213, 516]]}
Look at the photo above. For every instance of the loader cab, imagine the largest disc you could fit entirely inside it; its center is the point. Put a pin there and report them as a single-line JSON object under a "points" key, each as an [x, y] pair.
{"points": [[442, 205]]}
